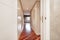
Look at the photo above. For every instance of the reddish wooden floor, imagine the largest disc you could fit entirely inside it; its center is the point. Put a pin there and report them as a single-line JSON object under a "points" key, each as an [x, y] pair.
{"points": [[28, 36]]}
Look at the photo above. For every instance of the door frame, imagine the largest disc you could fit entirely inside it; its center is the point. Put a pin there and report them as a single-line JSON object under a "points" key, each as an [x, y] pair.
{"points": [[45, 16]]}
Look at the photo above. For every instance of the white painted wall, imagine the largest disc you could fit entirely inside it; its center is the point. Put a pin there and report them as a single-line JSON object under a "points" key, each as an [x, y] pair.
{"points": [[8, 20], [36, 18], [55, 20]]}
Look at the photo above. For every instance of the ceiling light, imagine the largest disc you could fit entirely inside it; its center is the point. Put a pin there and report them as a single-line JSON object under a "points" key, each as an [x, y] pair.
{"points": [[27, 8]]}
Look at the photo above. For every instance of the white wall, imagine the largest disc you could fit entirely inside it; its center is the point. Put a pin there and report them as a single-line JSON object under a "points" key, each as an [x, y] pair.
{"points": [[36, 18], [8, 20], [55, 20]]}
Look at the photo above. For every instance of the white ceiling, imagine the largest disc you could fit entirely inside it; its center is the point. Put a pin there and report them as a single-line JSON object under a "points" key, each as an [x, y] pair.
{"points": [[27, 4]]}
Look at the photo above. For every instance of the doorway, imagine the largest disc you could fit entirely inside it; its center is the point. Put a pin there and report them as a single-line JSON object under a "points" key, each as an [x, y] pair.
{"points": [[29, 20]]}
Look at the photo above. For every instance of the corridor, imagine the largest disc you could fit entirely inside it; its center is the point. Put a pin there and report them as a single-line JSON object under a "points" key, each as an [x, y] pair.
{"points": [[29, 20]]}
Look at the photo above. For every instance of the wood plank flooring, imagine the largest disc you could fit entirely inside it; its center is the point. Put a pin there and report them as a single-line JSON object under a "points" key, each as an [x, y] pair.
{"points": [[29, 36]]}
